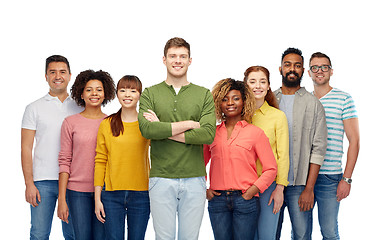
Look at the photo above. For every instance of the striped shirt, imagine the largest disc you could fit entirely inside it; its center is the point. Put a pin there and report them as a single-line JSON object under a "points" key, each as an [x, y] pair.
{"points": [[338, 106]]}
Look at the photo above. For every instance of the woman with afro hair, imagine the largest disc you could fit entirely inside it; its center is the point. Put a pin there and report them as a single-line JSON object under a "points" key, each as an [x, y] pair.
{"points": [[233, 204], [91, 90]]}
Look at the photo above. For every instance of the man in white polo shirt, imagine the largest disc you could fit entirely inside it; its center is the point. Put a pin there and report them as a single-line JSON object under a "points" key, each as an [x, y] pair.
{"points": [[42, 121]]}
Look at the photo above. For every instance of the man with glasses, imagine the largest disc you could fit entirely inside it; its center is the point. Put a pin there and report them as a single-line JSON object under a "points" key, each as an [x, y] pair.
{"points": [[332, 184], [307, 144]]}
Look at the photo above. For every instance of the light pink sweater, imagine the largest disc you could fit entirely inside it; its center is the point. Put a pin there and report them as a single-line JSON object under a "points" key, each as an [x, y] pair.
{"points": [[78, 149]]}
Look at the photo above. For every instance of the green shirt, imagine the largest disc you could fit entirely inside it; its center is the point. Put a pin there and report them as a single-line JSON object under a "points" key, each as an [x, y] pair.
{"points": [[172, 159]]}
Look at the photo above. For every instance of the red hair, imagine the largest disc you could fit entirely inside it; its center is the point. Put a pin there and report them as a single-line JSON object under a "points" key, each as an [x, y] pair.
{"points": [[270, 97]]}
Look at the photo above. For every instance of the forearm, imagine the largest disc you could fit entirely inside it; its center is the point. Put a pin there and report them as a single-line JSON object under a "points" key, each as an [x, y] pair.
{"points": [[352, 156], [178, 138], [27, 141], [97, 193], [183, 126], [62, 185], [312, 176], [26, 160]]}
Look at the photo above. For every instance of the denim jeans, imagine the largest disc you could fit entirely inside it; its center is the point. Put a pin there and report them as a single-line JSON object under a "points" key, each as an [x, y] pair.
{"points": [[325, 192], [84, 221], [172, 196], [302, 222], [267, 221], [232, 217], [42, 215], [133, 205]]}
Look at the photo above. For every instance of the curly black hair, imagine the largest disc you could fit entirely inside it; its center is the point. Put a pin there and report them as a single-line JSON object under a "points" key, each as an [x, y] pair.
{"points": [[87, 75], [223, 87]]}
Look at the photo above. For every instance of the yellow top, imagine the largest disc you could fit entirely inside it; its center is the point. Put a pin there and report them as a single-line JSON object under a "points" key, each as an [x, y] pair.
{"points": [[274, 123], [122, 162]]}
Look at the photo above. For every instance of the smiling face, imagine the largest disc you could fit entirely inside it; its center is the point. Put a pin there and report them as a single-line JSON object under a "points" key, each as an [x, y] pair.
{"points": [[93, 93], [177, 62], [320, 77], [232, 105], [58, 77], [128, 97], [259, 84], [292, 70]]}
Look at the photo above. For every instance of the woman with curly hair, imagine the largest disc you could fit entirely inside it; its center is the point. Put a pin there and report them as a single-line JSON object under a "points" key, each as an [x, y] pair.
{"points": [[233, 204], [90, 90], [121, 174], [274, 123]]}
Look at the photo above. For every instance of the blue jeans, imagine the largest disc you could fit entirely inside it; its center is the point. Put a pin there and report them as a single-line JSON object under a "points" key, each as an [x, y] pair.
{"points": [[267, 221], [172, 196], [325, 192], [84, 221], [119, 204], [302, 222], [42, 215], [232, 217]]}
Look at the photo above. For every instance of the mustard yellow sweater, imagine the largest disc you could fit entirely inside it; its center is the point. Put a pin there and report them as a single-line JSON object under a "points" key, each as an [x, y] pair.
{"points": [[122, 162]]}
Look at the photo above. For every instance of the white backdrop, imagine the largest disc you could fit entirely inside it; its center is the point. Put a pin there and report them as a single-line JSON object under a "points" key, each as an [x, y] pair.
{"points": [[128, 38]]}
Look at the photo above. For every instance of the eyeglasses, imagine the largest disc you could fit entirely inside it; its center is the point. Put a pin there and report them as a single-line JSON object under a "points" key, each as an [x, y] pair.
{"points": [[315, 69]]}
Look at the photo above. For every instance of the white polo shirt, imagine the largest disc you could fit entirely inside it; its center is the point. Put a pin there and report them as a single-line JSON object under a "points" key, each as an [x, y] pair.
{"points": [[46, 115]]}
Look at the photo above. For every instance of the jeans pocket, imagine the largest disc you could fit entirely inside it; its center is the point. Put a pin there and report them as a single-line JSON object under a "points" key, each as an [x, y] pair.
{"points": [[203, 182], [333, 178], [152, 182]]}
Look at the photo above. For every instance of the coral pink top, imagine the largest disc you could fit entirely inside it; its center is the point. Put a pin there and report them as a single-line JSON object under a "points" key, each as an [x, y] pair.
{"points": [[78, 150], [233, 160]]}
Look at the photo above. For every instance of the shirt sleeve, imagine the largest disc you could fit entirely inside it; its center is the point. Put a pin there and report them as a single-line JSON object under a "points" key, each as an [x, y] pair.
{"points": [[29, 120], [282, 148], [319, 145], [101, 155], [268, 162], [151, 130], [349, 110], [207, 154], [205, 134], [65, 153]]}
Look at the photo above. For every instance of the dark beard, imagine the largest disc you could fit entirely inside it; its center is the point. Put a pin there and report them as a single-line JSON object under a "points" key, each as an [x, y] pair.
{"points": [[291, 84]]}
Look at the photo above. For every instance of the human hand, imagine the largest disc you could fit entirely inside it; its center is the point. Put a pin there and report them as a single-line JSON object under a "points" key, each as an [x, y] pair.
{"points": [[211, 193], [278, 197], [306, 200], [32, 195], [100, 212], [343, 190], [62, 210], [151, 116]]}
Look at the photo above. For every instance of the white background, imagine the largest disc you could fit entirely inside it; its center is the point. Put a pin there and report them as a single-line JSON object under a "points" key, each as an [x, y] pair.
{"points": [[226, 38]]}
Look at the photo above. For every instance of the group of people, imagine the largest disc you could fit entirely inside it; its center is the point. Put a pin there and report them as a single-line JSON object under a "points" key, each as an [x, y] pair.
{"points": [[270, 150]]}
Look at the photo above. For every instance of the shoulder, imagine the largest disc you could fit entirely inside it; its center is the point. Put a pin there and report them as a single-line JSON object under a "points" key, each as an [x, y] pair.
{"points": [[339, 94], [73, 118], [37, 102], [197, 87], [161, 85], [105, 122], [253, 130]]}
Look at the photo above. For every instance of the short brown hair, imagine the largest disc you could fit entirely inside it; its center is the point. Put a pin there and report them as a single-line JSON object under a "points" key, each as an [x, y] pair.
{"points": [[176, 42], [56, 58], [320, 55]]}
